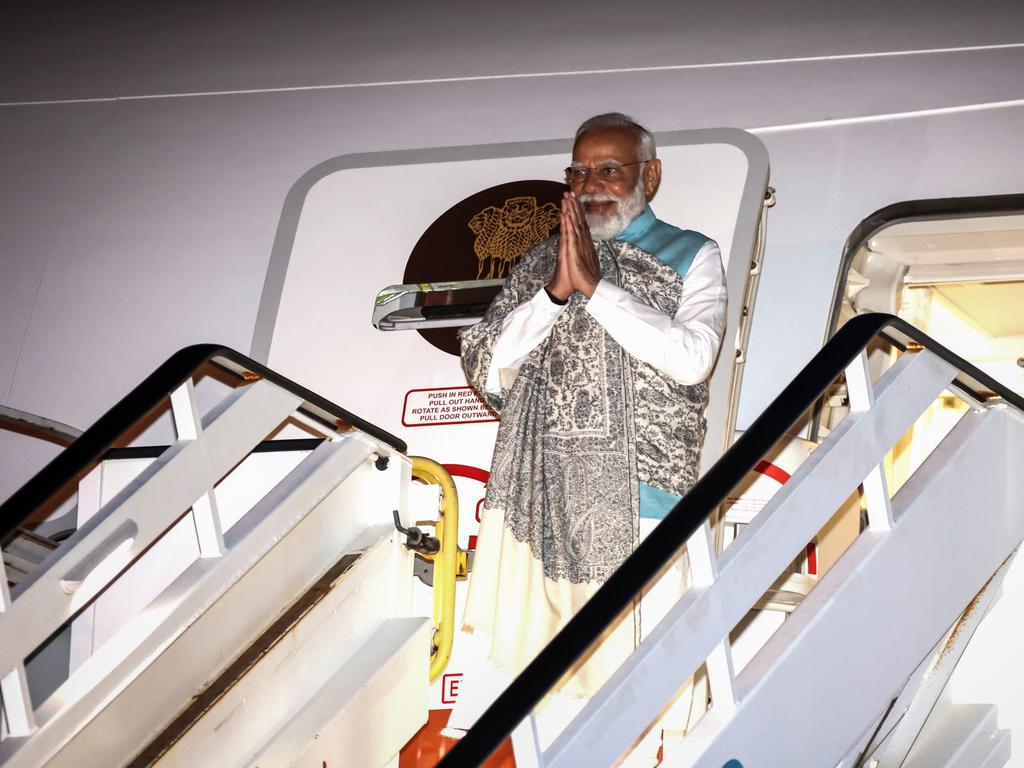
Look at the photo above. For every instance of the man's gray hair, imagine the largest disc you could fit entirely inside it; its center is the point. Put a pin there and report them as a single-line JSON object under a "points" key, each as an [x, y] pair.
{"points": [[645, 139]]}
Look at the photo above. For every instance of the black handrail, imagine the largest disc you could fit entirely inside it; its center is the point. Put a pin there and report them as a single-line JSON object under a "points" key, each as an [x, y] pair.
{"points": [[142, 401], [617, 594]]}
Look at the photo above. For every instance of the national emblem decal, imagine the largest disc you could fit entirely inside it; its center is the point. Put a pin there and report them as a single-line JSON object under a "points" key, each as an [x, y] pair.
{"points": [[503, 234], [481, 238]]}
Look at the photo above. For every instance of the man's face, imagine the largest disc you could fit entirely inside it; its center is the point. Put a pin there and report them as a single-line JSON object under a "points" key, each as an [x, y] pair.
{"points": [[611, 200]]}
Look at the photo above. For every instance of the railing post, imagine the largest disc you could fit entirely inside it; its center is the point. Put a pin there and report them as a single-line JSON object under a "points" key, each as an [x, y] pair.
{"points": [[18, 714], [205, 515], [703, 572], [526, 743], [862, 398]]}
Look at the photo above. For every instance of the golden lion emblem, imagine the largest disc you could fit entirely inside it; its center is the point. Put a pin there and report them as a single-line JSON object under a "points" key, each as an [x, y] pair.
{"points": [[503, 234]]}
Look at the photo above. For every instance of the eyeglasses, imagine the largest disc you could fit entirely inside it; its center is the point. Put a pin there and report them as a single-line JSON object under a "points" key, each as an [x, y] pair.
{"points": [[575, 174]]}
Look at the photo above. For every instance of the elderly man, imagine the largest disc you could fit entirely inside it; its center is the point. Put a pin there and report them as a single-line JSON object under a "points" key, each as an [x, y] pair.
{"points": [[595, 353]]}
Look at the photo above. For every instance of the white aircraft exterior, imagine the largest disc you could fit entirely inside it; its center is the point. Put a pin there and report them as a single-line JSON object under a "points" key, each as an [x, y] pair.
{"points": [[156, 162]]}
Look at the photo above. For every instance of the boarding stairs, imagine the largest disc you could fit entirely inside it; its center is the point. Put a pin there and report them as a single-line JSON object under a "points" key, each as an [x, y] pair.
{"points": [[227, 599], [271, 625]]}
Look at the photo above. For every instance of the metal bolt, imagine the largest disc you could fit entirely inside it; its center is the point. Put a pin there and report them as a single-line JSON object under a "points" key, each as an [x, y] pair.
{"points": [[1020, 362]]}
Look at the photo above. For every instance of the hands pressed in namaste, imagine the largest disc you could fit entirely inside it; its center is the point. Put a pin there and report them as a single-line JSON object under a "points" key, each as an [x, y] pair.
{"points": [[578, 266]]}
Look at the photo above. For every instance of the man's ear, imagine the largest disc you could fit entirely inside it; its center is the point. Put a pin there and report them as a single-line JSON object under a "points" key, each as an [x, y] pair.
{"points": [[652, 178]]}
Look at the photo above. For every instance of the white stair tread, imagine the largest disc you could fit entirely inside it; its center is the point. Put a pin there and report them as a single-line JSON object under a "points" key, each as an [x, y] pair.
{"points": [[381, 692], [288, 674]]}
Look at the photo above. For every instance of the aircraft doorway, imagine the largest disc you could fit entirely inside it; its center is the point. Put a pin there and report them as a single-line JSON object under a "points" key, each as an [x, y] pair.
{"points": [[955, 269]]}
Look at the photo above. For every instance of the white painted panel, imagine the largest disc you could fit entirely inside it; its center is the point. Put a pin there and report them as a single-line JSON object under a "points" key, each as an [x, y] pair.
{"points": [[43, 160], [140, 264], [22, 456]]}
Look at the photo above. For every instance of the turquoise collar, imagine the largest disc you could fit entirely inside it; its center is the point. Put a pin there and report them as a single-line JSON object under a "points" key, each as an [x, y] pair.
{"points": [[639, 227]]}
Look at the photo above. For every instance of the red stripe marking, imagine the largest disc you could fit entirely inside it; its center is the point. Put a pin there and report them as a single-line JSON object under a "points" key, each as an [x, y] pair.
{"points": [[464, 470], [812, 559], [472, 542], [775, 473]]}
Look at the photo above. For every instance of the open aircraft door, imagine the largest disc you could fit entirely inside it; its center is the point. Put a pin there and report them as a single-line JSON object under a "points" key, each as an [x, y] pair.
{"points": [[379, 258]]}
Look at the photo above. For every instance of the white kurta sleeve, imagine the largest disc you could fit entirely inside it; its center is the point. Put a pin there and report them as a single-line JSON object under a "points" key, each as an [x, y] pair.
{"points": [[523, 329], [683, 346]]}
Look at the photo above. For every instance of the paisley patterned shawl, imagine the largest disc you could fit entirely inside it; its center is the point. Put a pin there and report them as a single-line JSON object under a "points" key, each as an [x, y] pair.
{"points": [[563, 490], [567, 460]]}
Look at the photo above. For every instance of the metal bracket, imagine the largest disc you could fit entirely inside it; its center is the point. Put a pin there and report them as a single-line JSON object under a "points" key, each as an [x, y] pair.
{"points": [[417, 540]]}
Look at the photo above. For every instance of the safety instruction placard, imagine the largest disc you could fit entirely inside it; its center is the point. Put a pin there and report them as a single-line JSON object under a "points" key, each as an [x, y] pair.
{"points": [[450, 405]]}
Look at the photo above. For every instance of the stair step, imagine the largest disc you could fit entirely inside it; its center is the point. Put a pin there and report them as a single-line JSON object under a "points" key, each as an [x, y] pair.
{"points": [[277, 676], [381, 691], [211, 612], [24, 553]]}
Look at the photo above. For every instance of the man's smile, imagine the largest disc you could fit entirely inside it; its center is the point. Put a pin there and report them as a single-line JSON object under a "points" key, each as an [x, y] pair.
{"points": [[599, 207]]}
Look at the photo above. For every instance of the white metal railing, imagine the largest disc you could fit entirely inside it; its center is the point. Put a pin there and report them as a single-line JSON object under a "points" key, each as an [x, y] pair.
{"points": [[727, 587], [182, 480]]}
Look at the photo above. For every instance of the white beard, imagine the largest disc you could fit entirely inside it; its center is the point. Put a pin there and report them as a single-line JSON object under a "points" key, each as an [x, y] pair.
{"points": [[611, 225]]}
